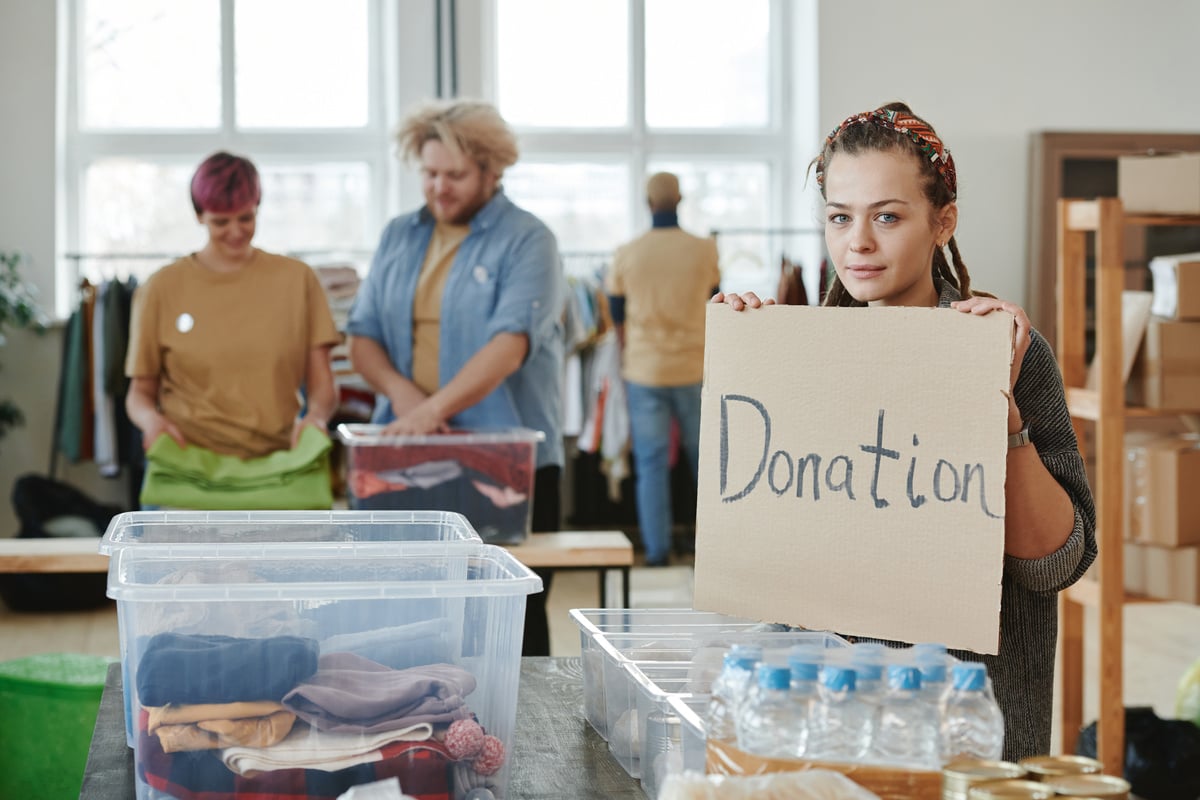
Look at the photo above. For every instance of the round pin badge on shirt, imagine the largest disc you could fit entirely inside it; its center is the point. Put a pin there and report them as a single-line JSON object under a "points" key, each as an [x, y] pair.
{"points": [[184, 322]]}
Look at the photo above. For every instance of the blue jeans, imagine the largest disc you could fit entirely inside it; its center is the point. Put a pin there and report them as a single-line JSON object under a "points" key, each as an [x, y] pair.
{"points": [[651, 409]]}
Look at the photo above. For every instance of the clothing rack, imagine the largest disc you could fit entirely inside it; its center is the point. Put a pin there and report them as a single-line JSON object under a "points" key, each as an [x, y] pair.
{"points": [[585, 263]]}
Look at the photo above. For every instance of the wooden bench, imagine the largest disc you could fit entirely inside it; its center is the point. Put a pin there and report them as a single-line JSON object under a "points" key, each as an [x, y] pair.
{"points": [[52, 555], [598, 550], [573, 550]]}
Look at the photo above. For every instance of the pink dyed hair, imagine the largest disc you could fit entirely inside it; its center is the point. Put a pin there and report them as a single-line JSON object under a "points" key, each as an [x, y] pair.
{"points": [[225, 182]]}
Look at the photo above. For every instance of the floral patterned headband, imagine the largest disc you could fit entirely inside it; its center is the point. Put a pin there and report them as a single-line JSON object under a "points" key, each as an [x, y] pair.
{"points": [[922, 135]]}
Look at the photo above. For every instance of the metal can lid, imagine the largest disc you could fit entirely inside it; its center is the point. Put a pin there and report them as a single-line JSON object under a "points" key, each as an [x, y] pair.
{"points": [[1061, 765], [1011, 789], [979, 768], [1107, 786], [963, 773]]}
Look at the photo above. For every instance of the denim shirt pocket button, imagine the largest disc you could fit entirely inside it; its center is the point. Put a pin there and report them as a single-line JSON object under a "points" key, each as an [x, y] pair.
{"points": [[480, 273]]}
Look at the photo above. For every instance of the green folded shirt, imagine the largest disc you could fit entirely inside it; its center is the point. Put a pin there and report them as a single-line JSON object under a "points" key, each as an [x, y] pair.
{"points": [[195, 478]]}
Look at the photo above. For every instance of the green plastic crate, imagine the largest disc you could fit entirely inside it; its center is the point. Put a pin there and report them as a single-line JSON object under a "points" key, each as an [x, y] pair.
{"points": [[48, 706]]}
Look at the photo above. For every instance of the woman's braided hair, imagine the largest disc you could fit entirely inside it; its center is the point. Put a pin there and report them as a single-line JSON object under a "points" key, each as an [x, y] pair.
{"points": [[894, 128]]}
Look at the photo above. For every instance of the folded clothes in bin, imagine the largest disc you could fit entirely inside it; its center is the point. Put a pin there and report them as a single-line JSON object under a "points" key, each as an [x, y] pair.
{"points": [[193, 477], [487, 476]]}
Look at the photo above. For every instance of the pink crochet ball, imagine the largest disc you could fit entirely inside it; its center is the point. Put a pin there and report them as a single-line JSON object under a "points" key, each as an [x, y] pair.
{"points": [[464, 739], [492, 758]]}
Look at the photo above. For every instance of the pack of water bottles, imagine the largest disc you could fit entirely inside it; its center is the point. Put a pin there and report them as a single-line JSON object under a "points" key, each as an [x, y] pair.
{"points": [[913, 708]]}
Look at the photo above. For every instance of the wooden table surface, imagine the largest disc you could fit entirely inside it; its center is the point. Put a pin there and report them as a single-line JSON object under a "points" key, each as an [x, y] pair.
{"points": [[556, 754]]}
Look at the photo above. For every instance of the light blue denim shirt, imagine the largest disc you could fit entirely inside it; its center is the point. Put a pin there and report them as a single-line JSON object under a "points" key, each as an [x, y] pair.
{"points": [[506, 278]]}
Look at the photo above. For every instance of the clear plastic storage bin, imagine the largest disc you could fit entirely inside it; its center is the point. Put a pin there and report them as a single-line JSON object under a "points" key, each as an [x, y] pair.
{"points": [[614, 621], [487, 476], [374, 650], [220, 534]]}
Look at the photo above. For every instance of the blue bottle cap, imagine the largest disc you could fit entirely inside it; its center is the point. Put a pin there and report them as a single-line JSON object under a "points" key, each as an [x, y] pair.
{"points": [[804, 671], [904, 677], [805, 661], [838, 678], [970, 676], [868, 671], [932, 671], [773, 676]]}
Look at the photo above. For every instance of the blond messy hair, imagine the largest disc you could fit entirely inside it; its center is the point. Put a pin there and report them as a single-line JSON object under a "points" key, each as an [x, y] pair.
{"points": [[470, 127]]}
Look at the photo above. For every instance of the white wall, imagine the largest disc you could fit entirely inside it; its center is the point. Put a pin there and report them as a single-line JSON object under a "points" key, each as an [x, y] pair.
{"points": [[988, 74], [28, 363]]}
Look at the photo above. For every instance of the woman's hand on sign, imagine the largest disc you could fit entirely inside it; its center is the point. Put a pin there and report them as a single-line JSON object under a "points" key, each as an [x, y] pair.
{"points": [[740, 302], [980, 305]]}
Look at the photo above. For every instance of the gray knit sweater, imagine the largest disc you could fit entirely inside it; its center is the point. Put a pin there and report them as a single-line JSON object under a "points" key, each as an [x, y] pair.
{"points": [[1023, 671]]}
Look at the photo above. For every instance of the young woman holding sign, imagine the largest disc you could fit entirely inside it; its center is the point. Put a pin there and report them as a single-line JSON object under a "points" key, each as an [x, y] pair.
{"points": [[890, 187]]}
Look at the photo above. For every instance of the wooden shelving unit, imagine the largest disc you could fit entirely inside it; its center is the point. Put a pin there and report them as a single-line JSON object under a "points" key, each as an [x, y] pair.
{"points": [[1105, 408]]}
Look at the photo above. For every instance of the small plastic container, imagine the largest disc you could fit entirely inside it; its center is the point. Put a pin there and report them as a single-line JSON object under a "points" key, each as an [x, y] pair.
{"points": [[690, 709], [49, 707], [453, 607], [594, 622], [485, 475]]}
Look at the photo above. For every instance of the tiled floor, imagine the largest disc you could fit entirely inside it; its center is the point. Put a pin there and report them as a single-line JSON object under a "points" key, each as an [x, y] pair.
{"points": [[1161, 639]]}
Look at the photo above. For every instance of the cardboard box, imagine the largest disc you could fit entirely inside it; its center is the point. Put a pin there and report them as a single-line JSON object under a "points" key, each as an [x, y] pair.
{"points": [[1135, 568], [1176, 286], [1173, 573], [1162, 504], [837, 492], [1168, 367], [1164, 184]]}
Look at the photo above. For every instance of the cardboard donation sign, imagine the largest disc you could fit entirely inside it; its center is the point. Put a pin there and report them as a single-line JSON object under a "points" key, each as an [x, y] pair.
{"points": [[852, 467]]}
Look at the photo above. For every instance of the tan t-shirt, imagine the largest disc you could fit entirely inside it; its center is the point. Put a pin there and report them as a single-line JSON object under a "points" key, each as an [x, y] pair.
{"points": [[427, 303], [666, 276], [231, 349]]}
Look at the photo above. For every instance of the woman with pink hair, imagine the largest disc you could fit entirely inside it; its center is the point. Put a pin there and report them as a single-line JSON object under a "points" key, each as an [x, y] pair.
{"points": [[223, 340]]}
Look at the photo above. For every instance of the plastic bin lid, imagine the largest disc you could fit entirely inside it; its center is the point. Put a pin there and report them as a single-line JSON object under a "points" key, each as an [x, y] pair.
{"points": [[313, 573], [365, 434], [242, 528]]}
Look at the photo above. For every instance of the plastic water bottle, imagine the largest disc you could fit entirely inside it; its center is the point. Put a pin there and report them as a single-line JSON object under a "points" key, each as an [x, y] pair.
{"points": [[933, 680], [768, 725], [805, 662], [867, 659], [728, 691], [907, 731], [841, 725], [971, 723]]}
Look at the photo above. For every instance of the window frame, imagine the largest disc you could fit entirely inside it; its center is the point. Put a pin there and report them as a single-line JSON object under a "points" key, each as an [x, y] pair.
{"points": [[391, 46], [640, 144]]}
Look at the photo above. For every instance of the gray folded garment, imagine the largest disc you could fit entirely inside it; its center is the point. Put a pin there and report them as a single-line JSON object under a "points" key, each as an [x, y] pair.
{"points": [[350, 694]]}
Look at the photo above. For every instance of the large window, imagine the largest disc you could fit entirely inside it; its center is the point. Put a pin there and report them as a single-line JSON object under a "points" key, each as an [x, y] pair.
{"points": [[615, 90], [296, 85]]}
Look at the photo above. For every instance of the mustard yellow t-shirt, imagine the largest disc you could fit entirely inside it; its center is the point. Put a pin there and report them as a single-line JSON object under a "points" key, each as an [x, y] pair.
{"points": [[427, 303], [666, 276], [231, 349]]}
